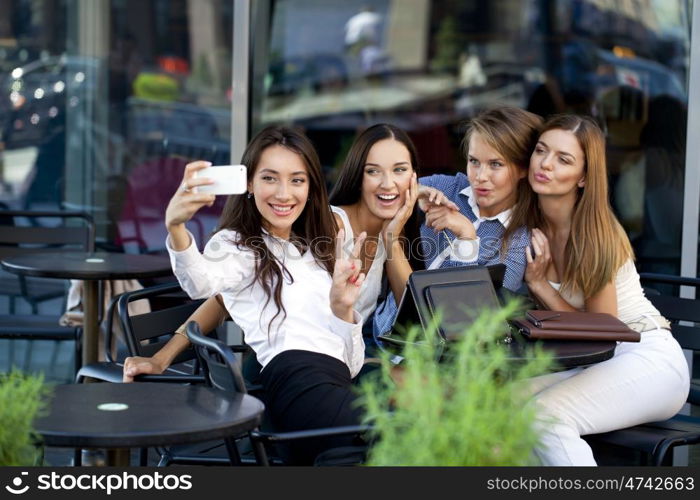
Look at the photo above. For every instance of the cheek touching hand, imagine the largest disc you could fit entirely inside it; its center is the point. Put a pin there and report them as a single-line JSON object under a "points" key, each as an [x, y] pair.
{"points": [[392, 229]]}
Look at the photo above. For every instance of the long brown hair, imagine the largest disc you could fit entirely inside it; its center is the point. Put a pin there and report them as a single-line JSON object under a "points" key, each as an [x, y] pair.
{"points": [[597, 244], [348, 187], [513, 133], [314, 229]]}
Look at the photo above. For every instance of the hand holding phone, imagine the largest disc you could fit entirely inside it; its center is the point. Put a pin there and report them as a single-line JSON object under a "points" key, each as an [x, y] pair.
{"points": [[228, 179]]}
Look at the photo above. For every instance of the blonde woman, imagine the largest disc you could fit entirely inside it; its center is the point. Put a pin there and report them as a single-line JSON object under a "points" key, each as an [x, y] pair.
{"points": [[581, 259]]}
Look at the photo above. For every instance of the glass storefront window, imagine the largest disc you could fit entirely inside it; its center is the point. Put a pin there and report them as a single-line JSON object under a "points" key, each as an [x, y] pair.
{"points": [[103, 102], [428, 66]]}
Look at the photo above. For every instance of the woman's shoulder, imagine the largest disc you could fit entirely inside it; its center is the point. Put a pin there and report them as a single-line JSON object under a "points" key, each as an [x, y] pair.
{"points": [[342, 219], [339, 211], [226, 241], [627, 270]]}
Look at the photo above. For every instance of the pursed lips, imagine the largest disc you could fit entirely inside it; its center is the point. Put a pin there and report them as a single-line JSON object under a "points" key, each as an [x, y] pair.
{"points": [[540, 177]]}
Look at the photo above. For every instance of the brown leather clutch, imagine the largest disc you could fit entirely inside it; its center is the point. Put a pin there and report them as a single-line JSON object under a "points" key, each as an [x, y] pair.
{"points": [[566, 320], [564, 325]]}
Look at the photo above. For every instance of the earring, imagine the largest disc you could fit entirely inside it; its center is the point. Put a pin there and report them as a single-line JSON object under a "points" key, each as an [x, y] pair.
{"points": [[250, 196]]}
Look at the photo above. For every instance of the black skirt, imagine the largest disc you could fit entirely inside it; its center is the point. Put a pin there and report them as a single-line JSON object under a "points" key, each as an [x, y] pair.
{"points": [[308, 390]]}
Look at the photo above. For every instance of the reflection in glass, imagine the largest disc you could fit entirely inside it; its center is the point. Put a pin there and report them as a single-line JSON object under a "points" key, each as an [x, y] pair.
{"points": [[427, 66], [103, 102]]}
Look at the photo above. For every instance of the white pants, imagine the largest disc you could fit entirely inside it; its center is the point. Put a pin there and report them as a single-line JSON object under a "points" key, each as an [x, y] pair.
{"points": [[642, 382]]}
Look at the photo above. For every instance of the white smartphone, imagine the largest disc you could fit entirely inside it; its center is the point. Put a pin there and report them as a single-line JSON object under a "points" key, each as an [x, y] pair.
{"points": [[228, 179]]}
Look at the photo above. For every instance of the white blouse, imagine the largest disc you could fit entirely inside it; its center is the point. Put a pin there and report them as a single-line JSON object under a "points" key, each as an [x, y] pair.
{"points": [[310, 325], [372, 286]]}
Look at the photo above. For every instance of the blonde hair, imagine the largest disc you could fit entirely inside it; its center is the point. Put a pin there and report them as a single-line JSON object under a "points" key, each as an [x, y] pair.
{"points": [[598, 245], [513, 133]]}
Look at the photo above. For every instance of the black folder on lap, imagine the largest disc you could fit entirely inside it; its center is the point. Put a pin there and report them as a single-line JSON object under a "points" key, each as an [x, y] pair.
{"points": [[461, 293]]}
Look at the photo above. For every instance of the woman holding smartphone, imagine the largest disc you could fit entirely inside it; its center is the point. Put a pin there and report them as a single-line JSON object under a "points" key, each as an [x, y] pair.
{"points": [[273, 264]]}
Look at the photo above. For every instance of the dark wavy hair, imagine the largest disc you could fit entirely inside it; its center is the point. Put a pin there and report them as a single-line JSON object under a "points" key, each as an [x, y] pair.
{"points": [[348, 187], [314, 229]]}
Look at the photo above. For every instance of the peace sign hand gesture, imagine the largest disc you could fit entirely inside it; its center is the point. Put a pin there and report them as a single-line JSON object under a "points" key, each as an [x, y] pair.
{"points": [[347, 278]]}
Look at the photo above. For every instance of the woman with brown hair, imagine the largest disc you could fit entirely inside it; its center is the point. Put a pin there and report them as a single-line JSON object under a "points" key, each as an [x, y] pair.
{"points": [[581, 259]]}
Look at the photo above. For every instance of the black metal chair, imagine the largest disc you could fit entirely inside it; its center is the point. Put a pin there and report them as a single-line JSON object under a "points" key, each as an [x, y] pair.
{"points": [[223, 372], [145, 334], [657, 439], [22, 232]]}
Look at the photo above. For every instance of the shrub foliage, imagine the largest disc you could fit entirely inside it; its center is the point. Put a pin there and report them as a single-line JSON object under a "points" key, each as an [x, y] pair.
{"points": [[467, 409], [22, 399]]}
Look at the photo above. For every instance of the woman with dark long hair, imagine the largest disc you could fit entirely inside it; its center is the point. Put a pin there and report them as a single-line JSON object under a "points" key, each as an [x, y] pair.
{"points": [[376, 192], [274, 265], [581, 259], [271, 264]]}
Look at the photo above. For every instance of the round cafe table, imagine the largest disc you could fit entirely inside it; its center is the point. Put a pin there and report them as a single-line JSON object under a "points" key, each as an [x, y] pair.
{"points": [[143, 414], [565, 353], [92, 267]]}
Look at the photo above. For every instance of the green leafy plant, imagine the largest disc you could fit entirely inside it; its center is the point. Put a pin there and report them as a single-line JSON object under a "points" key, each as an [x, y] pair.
{"points": [[468, 409], [22, 399]]}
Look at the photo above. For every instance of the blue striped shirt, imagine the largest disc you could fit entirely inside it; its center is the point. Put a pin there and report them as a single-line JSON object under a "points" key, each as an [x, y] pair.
{"points": [[489, 231]]}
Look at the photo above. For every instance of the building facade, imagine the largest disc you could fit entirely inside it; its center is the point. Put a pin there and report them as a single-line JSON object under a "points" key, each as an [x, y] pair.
{"points": [[103, 102]]}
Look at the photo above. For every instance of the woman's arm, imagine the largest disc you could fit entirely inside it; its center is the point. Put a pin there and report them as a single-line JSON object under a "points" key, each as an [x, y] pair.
{"points": [[397, 267], [209, 315], [604, 301]]}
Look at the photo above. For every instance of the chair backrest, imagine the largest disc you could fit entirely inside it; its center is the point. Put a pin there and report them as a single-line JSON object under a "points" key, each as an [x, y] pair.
{"points": [[146, 333], [219, 363], [677, 309], [34, 236]]}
